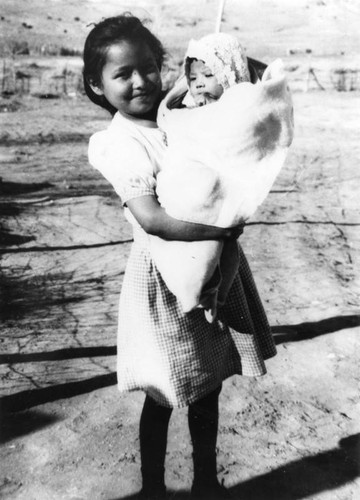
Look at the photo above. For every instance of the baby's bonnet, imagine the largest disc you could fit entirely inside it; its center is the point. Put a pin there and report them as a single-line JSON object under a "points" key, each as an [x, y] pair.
{"points": [[223, 54]]}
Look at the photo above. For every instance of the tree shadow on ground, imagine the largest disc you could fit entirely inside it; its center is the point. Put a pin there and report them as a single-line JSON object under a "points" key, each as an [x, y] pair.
{"points": [[16, 425], [27, 399], [12, 209], [310, 330], [16, 188], [299, 479]]}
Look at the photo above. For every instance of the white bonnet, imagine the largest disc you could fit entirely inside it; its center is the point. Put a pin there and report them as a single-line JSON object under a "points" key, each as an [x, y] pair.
{"points": [[223, 54]]}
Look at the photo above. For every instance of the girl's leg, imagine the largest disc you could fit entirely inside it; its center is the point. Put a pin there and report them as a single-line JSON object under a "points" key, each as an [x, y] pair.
{"points": [[203, 424], [154, 423]]}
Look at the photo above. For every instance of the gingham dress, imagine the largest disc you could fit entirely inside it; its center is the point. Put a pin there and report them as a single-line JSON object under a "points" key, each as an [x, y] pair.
{"points": [[174, 357]]}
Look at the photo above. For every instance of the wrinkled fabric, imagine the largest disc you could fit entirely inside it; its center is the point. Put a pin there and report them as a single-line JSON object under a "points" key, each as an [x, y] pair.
{"points": [[174, 357], [220, 164], [179, 358]]}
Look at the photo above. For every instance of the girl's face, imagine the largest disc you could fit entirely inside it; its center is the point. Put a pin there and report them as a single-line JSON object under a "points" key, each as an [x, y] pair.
{"points": [[203, 85], [130, 79]]}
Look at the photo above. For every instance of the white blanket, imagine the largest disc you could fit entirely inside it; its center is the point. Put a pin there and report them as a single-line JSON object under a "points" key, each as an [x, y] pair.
{"points": [[221, 162]]}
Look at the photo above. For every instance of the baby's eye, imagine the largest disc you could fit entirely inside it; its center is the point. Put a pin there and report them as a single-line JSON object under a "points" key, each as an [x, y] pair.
{"points": [[209, 75]]}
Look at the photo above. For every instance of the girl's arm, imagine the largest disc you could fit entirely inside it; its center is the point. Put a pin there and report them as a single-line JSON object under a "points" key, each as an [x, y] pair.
{"points": [[154, 220]]}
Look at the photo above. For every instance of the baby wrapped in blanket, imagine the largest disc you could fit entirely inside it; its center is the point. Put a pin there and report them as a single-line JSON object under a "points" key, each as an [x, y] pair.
{"points": [[221, 161]]}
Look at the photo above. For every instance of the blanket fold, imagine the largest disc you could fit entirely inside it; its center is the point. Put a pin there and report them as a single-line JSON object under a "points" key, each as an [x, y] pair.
{"points": [[220, 164]]}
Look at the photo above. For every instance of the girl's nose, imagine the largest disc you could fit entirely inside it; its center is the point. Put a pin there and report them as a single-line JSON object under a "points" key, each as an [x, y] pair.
{"points": [[138, 79]]}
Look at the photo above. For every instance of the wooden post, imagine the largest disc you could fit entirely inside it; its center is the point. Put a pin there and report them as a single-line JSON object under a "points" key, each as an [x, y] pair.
{"points": [[219, 16]]}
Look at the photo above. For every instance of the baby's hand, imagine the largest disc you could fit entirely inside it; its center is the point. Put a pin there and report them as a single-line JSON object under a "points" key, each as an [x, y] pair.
{"points": [[204, 99]]}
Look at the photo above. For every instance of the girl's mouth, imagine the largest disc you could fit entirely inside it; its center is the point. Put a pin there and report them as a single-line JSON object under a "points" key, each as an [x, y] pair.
{"points": [[143, 95], [146, 94]]}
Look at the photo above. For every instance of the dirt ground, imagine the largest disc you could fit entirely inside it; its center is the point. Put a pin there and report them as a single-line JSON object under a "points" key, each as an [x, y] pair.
{"points": [[293, 434]]}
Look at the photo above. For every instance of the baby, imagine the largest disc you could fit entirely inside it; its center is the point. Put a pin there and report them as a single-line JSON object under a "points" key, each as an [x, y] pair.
{"points": [[212, 64], [221, 161]]}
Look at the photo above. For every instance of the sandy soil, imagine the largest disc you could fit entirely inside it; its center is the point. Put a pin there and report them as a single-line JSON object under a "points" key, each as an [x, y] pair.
{"points": [[293, 434]]}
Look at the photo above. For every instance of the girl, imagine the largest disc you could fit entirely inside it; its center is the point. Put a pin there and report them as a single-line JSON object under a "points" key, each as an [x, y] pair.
{"points": [[177, 359]]}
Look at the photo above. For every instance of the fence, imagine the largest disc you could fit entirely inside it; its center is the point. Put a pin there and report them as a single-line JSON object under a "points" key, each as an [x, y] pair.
{"points": [[41, 77], [46, 76]]}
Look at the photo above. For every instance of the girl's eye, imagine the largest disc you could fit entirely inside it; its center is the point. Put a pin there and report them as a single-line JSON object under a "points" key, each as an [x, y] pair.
{"points": [[150, 68], [123, 75]]}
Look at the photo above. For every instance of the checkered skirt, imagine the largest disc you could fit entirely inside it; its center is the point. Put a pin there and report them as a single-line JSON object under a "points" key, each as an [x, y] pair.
{"points": [[179, 358]]}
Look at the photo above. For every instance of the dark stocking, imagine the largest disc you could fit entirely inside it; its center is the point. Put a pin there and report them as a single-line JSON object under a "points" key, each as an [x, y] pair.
{"points": [[154, 423], [203, 424]]}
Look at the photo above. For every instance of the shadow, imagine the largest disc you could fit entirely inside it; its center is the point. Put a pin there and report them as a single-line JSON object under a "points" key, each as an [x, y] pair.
{"points": [[26, 399], [10, 239], [297, 480], [14, 188], [256, 69], [70, 353], [16, 425], [7, 209], [307, 476], [305, 331], [30, 398], [171, 495], [12, 209], [6, 237], [22, 296]]}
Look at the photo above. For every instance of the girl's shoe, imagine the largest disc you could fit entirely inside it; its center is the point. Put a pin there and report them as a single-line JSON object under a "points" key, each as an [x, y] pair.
{"points": [[214, 491]]}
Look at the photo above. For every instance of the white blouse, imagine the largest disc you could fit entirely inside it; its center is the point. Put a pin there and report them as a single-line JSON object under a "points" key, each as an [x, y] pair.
{"points": [[129, 156]]}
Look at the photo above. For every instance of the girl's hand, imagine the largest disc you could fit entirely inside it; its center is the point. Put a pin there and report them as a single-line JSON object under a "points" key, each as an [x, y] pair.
{"points": [[236, 231]]}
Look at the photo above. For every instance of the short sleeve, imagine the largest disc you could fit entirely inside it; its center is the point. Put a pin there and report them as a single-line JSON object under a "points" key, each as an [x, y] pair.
{"points": [[124, 162]]}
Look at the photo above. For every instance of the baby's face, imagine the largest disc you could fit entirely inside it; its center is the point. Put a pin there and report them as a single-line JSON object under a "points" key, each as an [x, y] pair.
{"points": [[203, 85]]}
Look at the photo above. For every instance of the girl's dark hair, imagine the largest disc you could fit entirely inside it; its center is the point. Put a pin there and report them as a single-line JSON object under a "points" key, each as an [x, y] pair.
{"points": [[101, 37]]}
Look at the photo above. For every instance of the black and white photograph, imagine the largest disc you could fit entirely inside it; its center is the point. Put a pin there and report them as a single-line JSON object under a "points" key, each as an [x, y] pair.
{"points": [[179, 250]]}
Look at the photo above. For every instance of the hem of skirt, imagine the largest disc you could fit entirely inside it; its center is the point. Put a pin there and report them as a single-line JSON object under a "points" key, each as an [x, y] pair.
{"points": [[183, 402], [270, 355]]}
